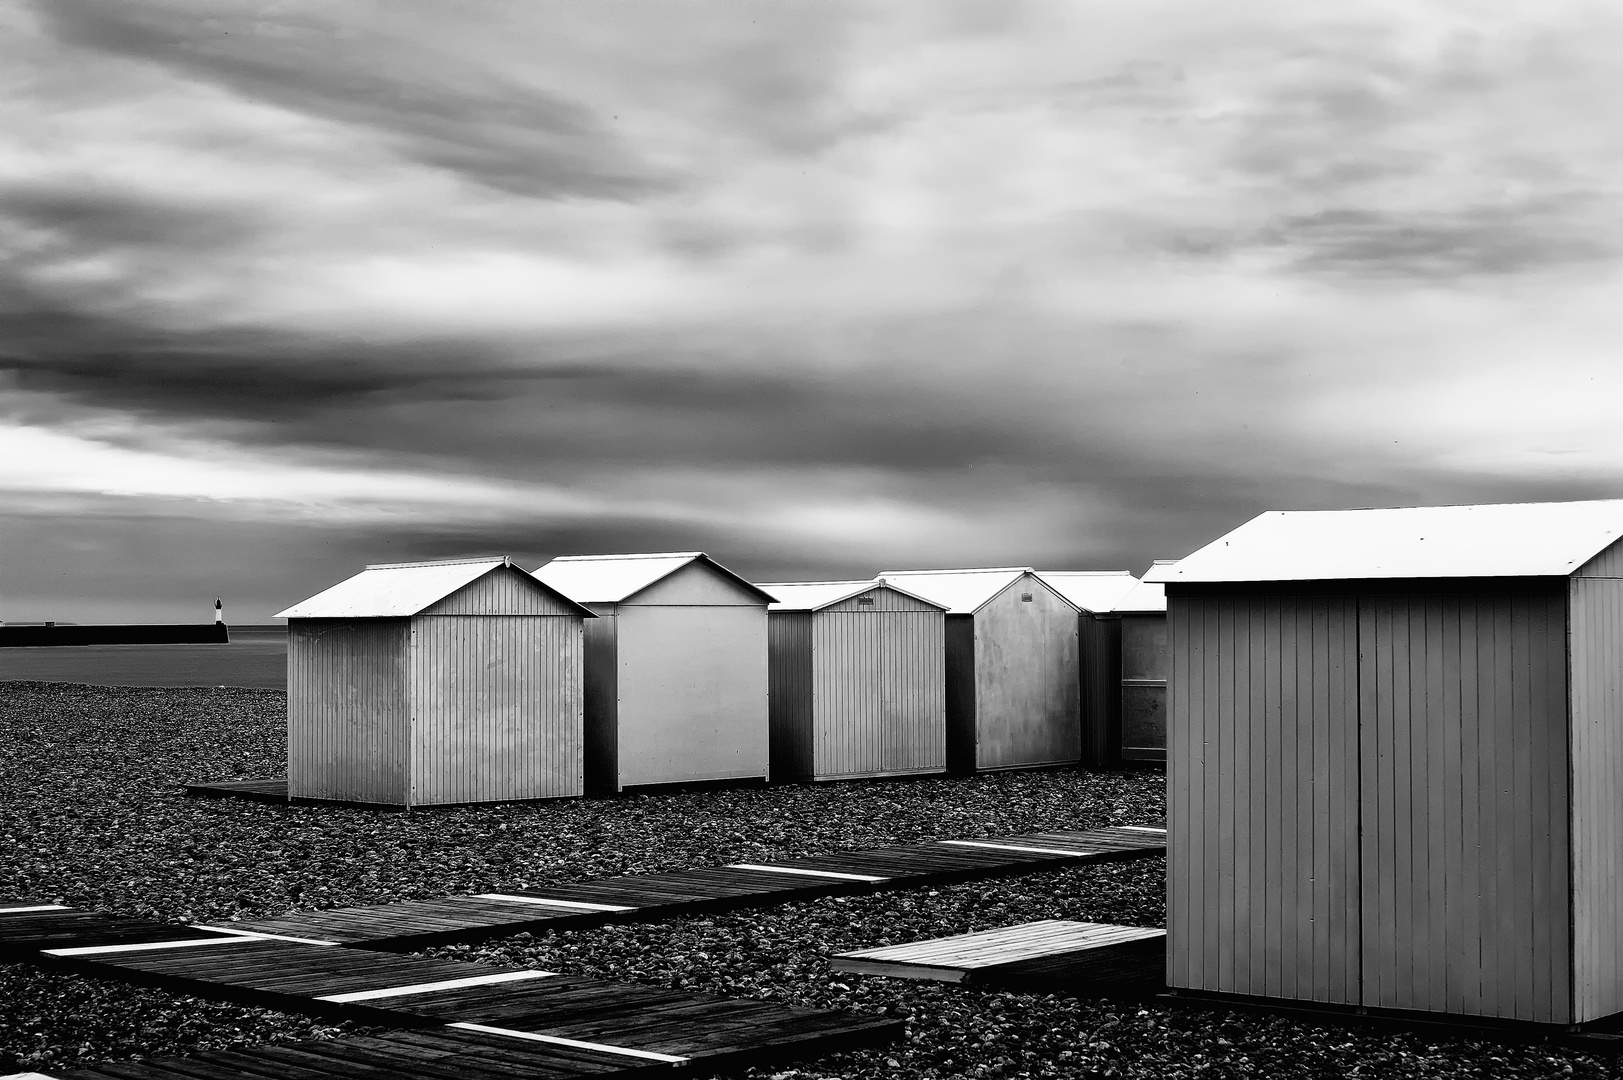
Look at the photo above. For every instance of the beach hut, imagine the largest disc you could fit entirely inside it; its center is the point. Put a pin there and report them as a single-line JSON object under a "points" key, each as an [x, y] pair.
{"points": [[858, 681], [1011, 664], [418, 684], [1396, 746], [676, 668], [1095, 593]]}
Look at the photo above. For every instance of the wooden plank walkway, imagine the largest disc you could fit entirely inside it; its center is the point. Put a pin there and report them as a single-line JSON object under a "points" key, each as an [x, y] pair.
{"points": [[1051, 954], [28, 926], [507, 1005], [420, 923]]}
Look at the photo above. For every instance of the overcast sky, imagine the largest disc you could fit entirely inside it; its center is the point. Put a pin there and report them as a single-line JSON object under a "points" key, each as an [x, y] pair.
{"points": [[818, 288]]}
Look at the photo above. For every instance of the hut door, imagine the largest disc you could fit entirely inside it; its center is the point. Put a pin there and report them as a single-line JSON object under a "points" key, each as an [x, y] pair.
{"points": [[1462, 777]]}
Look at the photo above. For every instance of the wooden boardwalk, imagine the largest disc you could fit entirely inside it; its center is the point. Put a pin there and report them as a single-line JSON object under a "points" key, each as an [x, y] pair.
{"points": [[481, 1007], [420, 923], [28, 926], [256, 790], [1052, 955]]}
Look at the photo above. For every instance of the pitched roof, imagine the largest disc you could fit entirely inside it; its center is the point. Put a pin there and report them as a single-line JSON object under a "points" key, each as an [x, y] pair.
{"points": [[609, 579], [961, 592], [814, 595], [1146, 597], [1090, 590], [1495, 540], [393, 590]]}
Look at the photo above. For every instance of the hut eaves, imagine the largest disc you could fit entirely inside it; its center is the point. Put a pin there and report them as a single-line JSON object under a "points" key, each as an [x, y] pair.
{"points": [[399, 590], [816, 595], [1493, 540], [1090, 590], [613, 579], [961, 592]]}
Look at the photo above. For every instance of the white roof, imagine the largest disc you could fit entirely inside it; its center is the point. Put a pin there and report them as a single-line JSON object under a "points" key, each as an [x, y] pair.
{"points": [[1146, 596], [609, 579], [1498, 540], [961, 592], [386, 590], [812, 595], [1090, 590]]}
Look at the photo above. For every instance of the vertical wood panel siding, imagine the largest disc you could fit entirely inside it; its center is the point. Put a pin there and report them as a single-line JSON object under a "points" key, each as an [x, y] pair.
{"points": [[1464, 791], [1027, 682], [1597, 764], [789, 692], [1262, 886], [601, 705], [960, 670], [1099, 670], [878, 697], [506, 590], [497, 708], [1143, 687], [347, 719]]}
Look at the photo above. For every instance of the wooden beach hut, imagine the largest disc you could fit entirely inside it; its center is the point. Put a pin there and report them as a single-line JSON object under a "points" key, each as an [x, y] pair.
{"points": [[1011, 664], [858, 681], [1396, 746], [419, 684], [1095, 593], [676, 668]]}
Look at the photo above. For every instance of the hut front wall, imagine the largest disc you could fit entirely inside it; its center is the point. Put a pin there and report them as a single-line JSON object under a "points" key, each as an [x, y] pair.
{"points": [[496, 708], [692, 693], [1262, 798], [1369, 792], [879, 685], [1027, 679], [348, 725], [1143, 687], [789, 650], [1597, 761]]}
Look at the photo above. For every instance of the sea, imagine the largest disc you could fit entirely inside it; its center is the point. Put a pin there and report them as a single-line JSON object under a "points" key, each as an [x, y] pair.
{"points": [[256, 657]]}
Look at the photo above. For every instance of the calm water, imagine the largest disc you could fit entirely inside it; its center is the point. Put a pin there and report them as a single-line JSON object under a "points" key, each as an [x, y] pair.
{"points": [[256, 656]]}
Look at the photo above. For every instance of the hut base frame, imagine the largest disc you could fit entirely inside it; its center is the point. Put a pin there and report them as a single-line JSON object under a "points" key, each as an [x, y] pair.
{"points": [[1602, 1035]]}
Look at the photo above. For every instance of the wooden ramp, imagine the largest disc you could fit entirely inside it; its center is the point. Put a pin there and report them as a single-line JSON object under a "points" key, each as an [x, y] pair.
{"points": [[421, 923], [1051, 955], [502, 1006], [274, 790]]}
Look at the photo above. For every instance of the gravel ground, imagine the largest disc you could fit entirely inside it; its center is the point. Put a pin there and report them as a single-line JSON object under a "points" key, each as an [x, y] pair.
{"points": [[89, 815]]}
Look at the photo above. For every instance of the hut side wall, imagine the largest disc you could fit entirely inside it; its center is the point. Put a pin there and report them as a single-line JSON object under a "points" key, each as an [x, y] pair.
{"points": [[347, 718], [496, 708], [692, 693], [1597, 762], [960, 692], [879, 694], [789, 663], [1262, 854], [1099, 669], [1027, 682], [601, 701]]}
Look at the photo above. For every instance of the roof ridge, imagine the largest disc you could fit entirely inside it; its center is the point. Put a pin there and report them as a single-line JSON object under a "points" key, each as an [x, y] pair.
{"points": [[507, 559]]}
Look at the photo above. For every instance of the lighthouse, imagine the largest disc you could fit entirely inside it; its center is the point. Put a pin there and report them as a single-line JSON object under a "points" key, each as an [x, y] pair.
{"points": [[219, 612]]}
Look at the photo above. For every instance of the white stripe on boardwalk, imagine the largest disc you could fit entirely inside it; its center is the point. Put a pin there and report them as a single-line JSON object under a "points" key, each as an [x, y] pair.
{"points": [[799, 870], [577, 905], [646, 1055], [144, 946], [433, 987], [1143, 828], [263, 937], [33, 907], [1018, 847]]}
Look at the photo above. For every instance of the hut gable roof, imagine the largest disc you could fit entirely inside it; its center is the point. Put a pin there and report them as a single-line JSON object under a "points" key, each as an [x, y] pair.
{"points": [[816, 595], [1147, 597], [1090, 590], [397, 590], [961, 592], [1495, 540], [612, 579]]}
